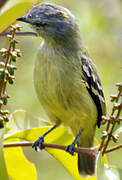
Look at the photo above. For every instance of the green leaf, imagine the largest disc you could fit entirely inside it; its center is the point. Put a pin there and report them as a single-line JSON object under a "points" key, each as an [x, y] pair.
{"points": [[17, 165], [3, 170], [114, 157], [104, 171], [21, 120], [120, 172], [12, 10], [59, 136], [16, 154]]}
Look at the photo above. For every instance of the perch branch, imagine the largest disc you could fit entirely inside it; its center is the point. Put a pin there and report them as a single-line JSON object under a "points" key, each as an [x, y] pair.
{"points": [[90, 151]]}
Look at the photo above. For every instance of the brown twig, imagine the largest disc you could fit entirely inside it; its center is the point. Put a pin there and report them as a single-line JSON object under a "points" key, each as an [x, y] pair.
{"points": [[8, 56], [20, 33], [2, 2], [112, 128], [113, 148], [111, 125], [7, 70], [90, 151]]}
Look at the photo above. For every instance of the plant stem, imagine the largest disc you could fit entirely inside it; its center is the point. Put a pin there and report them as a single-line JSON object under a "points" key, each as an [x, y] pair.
{"points": [[20, 33], [104, 144], [113, 148], [112, 128]]}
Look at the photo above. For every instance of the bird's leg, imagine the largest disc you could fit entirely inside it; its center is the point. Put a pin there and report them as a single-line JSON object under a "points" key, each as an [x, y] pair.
{"points": [[70, 148], [38, 143]]}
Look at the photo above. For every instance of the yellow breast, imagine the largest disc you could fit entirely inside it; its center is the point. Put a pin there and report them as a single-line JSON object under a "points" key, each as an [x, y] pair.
{"points": [[60, 89]]}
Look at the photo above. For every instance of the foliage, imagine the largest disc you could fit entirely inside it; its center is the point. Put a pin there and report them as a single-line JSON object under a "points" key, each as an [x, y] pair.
{"points": [[59, 136], [12, 10], [3, 171], [105, 171], [7, 69], [113, 120], [18, 167]]}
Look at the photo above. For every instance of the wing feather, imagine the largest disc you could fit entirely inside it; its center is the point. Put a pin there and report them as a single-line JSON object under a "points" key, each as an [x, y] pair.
{"points": [[93, 85]]}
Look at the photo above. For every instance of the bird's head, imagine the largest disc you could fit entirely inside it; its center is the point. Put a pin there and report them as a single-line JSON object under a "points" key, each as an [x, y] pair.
{"points": [[50, 21]]}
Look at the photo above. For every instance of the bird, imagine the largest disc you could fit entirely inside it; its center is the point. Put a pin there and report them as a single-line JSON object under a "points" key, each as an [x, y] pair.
{"points": [[66, 80]]}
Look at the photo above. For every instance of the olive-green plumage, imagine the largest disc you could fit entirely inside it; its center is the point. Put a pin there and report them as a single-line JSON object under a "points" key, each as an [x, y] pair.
{"points": [[65, 78], [63, 94]]}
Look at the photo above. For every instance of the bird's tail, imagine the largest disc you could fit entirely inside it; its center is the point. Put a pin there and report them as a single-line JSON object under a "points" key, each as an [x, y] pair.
{"points": [[86, 164]]}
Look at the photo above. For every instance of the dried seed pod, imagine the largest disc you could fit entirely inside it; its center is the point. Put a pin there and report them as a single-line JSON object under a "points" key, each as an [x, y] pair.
{"points": [[115, 137], [104, 133], [113, 97]]}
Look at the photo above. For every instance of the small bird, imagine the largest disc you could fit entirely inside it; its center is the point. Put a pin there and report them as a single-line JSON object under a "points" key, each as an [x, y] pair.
{"points": [[66, 80]]}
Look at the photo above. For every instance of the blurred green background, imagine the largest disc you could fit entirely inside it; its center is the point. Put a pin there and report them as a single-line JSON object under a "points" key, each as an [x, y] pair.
{"points": [[100, 25]]}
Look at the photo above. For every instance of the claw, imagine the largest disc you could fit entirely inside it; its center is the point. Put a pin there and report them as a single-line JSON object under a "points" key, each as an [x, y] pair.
{"points": [[38, 143], [70, 149]]}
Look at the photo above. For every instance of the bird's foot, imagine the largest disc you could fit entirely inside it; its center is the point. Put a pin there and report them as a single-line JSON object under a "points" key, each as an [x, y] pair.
{"points": [[70, 149], [37, 145]]}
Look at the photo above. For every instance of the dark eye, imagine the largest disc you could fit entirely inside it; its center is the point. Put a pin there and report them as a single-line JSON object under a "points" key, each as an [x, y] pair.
{"points": [[30, 16]]}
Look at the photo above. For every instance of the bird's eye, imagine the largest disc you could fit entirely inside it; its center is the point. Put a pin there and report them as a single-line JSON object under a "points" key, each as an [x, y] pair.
{"points": [[30, 16]]}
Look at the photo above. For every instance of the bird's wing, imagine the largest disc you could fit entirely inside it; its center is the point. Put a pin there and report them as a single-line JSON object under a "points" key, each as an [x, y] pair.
{"points": [[93, 85]]}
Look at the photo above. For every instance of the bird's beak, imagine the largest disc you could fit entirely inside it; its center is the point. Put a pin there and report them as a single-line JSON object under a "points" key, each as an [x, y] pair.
{"points": [[23, 19]]}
